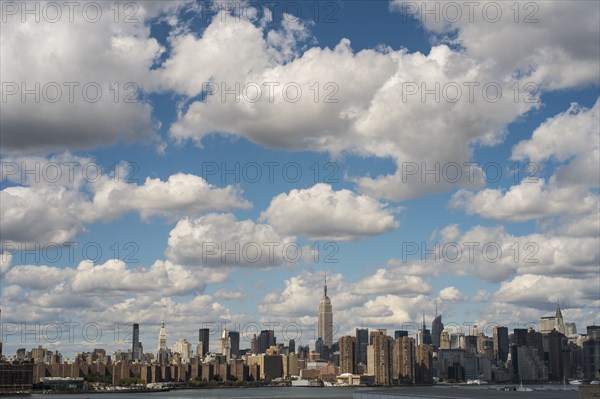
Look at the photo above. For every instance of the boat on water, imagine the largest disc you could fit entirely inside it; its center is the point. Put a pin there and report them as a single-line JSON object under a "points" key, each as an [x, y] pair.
{"points": [[307, 383], [521, 388]]}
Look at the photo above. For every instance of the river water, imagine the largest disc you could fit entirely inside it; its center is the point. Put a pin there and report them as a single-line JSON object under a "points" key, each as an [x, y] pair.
{"points": [[468, 392]]}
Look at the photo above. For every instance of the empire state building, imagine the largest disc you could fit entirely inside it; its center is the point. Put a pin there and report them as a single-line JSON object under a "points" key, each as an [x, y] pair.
{"points": [[326, 319]]}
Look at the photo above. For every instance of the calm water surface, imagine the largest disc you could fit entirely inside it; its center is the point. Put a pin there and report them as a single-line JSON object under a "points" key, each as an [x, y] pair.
{"points": [[468, 392]]}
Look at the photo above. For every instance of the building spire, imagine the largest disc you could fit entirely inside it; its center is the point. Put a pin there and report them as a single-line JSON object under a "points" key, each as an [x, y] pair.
{"points": [[558, 311], [423, 319], [325, 288]]}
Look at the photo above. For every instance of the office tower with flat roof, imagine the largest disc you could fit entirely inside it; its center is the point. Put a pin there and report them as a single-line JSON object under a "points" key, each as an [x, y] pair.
{"points": [[591, 359], [362, 341], [519, 336], [203, 342], [593, 331], [404, 360], [424, 364], [500, 336], [347, 346], [557, 343], [379, 358], [266, 339], [471, 344], [400, 334], [135, 345], [234, 336]]}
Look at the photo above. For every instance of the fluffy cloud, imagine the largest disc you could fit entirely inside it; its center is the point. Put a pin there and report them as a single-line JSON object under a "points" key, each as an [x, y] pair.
{"points": [[37, 277], [108, 55], [321, 213], [103, 320], [452, 294], [385, 281], [537, 290], [583, 226], [114, 276], [352, 112], [180, 195], [219, 240], [164, 278], [493, 255], [42, 214], [529, 200], [571, 138], [41, 210], [554, 55]]}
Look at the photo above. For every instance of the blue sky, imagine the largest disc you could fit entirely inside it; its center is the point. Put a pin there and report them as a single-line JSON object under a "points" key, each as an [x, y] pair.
{"points": [[175, 143]]}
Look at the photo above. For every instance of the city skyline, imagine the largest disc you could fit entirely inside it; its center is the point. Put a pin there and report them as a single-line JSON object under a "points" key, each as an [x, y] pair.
{"points": [[554, 353], [218, 334], [203, 162]]}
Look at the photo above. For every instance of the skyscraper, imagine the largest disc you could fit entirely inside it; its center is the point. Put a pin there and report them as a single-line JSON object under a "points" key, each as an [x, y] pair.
{"points": [[379, 355], [225, 344], [400, 334], [362, 341], [203, 342], [500, 335], [254, 345], [135, 345], [556, 322], [320, 348], [560, 324], [184, 349], [347, 354], [266, 339], [162, 353], [326, 319], [593, 332], [591, 358], [404, 360], [436, 329], [424, 366], [424, 335], [520, 336], [557, 342], [234, 336]]}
